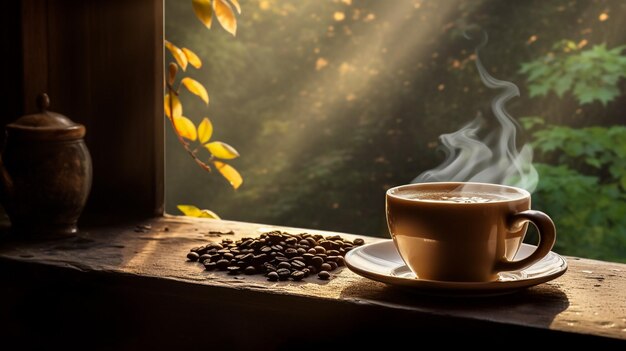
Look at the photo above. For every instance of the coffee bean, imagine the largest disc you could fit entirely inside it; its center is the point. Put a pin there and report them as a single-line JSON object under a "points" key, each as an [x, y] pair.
{"points": [[297, 275], [298, 264], [325, 244], [358, 241], [320, 249], [323, 275], [272, 276], [284, 265], [222, 264], [335, 245], [283, 273], [290, 252], [269, 267], [317, 261], [260, 258], [201, 250], [204, 257], [279, 255], [193, 256], [216, 246]]}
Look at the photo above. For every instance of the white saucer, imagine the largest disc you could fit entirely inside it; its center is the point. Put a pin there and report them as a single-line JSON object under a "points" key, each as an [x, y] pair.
{"points": [[381, 261]]}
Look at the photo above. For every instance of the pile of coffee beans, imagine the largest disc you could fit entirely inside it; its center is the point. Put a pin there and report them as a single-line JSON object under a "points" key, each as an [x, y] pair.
{"points": [[277, 255]]}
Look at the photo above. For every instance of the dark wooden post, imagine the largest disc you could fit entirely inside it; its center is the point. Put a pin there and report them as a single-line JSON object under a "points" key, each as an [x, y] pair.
{"points": [[101, 63]]}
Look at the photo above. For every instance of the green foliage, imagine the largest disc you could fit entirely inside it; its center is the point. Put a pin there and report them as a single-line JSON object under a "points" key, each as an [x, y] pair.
{"points": [[590, 75], [590, 216], [589, 210], [583, 178], [602, 148]]}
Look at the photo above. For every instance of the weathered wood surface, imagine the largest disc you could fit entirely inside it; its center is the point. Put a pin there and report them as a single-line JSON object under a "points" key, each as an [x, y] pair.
{"points": [[589, 299]]}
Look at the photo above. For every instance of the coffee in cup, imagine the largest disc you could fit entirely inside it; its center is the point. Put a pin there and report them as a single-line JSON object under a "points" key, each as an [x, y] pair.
{"points": [[458, 231]]}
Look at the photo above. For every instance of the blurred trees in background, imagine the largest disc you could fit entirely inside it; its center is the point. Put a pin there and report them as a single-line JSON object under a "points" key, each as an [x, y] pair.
{"points": [[333, 102], [583, 170]]}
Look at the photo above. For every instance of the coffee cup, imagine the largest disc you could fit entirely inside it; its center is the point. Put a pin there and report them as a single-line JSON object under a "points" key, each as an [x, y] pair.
{"points": [[461, 231]]}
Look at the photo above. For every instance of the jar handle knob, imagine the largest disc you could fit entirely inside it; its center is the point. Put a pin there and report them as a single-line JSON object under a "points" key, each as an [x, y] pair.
{"points": [[43, 102]]}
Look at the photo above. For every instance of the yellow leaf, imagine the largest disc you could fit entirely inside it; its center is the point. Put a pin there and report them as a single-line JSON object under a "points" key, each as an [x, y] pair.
{"points": [[178, 108], [193, 59], [236, 4], [222, 150], [189, 210], [209, 214], [203, 11], [178, 54], [231, 174], [196, 88], [205, 130], [225, 16], [193, 211], [185, 128]]}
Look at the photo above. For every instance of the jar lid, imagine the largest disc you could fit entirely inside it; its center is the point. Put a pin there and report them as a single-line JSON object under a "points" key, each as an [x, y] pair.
{"points": [[45, 125]]}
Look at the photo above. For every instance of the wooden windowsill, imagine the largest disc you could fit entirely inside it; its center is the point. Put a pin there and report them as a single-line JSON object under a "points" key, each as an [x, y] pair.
{"points": [[141, 287]]}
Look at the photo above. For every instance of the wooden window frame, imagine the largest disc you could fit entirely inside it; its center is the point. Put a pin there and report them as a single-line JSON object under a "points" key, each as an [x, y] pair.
{"points": [[101, 63]]}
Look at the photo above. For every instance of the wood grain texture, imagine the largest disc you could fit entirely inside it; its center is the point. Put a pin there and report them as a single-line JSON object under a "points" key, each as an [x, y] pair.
{"points": [[12, 62], [101, 63], [588, 300]]}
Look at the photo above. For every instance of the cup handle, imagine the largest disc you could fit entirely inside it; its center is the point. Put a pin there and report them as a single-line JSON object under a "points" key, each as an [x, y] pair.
{"points": [[547, 237]]}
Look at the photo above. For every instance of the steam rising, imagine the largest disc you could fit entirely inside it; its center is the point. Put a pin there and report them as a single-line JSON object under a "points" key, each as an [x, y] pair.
{"points": [[495, 159]]}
